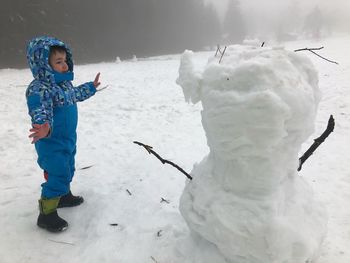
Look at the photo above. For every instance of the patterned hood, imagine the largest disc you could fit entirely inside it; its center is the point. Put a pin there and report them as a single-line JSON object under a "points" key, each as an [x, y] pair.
{"points": [[38, 51]]}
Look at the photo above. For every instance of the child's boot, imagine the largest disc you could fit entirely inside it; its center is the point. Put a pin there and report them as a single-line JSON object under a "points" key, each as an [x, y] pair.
{"points": [[48, 217], [70, 200]]}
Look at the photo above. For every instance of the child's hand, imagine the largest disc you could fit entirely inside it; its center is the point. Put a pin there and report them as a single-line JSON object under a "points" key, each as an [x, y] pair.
{"points": [[39, 131], [96, 81]]}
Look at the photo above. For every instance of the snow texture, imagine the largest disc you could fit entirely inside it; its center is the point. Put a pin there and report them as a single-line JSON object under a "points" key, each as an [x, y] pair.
{"points": [[259, 106], [143, 103]]}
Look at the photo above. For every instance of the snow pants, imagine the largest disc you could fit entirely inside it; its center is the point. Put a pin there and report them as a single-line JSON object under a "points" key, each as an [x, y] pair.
{"points": [[56, 153]]}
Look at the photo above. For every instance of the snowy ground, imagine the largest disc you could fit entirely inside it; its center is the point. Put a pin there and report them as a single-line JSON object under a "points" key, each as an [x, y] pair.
{"points": [[125, 185]]}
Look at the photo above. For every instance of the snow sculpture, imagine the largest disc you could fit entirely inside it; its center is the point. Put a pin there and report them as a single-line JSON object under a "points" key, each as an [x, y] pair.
{"points": [[118, 60], [246, 198], [134, 58]]}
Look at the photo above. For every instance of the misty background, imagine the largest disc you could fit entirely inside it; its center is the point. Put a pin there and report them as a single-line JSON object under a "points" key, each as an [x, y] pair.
{"points": [[105, 29]]}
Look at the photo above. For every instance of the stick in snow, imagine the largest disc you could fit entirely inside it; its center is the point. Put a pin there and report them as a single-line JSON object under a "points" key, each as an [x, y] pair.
{"points": [[150, 151], [222, 54], [159, 233], [164, 200], [317, 142], [217, 50]]}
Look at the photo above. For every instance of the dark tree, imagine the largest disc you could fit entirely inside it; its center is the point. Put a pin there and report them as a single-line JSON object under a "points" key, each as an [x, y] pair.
{"points": [[290, 22], [314, 23], [101, 30], [234, 26], [211, 27]]}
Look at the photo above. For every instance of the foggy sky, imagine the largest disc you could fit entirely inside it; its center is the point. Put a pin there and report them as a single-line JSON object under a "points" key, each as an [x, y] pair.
{"points": [[220, 5], [264, 15], [272, 7], [276, 4]]}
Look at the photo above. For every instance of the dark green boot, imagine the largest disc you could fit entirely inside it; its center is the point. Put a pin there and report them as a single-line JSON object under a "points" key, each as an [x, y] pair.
{"points": [[48, 218]]}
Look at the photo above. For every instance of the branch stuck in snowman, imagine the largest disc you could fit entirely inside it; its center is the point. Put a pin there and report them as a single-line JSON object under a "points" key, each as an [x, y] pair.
{"points": [[312, 50], [150, 150]]}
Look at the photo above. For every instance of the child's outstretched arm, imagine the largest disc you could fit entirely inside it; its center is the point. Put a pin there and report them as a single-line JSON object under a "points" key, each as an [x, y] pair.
{"points": [[87, 90]]}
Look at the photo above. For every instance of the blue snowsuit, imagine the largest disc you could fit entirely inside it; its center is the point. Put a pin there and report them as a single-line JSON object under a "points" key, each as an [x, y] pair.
{"points": [[51, 98]]}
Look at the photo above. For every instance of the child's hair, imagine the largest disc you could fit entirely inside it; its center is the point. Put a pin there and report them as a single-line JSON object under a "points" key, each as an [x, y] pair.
{"points": [[59, 49]]}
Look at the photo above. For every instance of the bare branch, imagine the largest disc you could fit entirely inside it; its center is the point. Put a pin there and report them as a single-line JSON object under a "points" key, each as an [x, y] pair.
{"points": [[61, 242], [317, 142], [313, 52], [164, 200], [86, 167], [217, 50], [331, 61], [308, 49], [150, 151]]}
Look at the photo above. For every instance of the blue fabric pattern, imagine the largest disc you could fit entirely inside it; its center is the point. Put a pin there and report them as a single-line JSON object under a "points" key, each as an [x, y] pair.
{"points": [[59, 77], [51, 98]]}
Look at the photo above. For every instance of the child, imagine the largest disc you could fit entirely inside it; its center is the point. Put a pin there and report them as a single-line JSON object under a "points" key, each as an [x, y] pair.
{"points": [[51, 100]]}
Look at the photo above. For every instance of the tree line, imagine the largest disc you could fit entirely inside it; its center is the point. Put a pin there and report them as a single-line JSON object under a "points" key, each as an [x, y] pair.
{"points": [[102, 30]]}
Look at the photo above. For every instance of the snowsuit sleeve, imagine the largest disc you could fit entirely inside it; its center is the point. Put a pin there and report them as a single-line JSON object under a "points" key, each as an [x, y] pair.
{"points": [[40, 104], [84, 91]]}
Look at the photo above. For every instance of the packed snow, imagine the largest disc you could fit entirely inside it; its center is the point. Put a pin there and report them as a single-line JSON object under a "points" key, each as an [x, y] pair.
{"points": [[246, 198], [131, 213]]}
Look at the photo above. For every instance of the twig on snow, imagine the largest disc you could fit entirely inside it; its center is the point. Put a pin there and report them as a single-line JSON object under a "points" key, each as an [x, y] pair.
{"points": [[154, 260], [61, 242], [150, 151], [164, 200], [86, 167]]}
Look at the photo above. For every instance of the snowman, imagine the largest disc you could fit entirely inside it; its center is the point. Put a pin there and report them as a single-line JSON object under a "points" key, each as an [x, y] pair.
{"points": [[246, 200]]}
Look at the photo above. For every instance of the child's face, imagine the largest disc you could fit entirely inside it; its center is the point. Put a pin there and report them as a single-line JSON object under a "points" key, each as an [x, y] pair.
{"points": [[58, 62]]}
